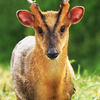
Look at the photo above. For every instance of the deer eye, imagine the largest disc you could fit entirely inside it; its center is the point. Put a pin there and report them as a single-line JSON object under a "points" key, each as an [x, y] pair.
{"points": [[62, 29], [40, 30]]}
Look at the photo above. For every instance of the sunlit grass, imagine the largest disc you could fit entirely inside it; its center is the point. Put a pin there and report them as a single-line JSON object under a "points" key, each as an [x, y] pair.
{"points": [[87, 87], [6, 87]]}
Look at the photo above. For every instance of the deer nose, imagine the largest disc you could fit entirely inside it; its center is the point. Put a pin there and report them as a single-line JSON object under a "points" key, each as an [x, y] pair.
{"points": [[52, 53]]}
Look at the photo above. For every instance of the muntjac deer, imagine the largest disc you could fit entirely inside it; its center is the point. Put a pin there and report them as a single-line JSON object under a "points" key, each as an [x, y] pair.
{"points": [[39, 65]]}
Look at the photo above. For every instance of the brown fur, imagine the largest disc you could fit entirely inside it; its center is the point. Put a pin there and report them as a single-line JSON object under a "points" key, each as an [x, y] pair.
{"points": [[35, 76]]}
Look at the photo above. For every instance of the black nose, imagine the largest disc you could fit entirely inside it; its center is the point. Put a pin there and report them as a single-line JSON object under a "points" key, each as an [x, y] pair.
{"points": [[52, 53]]}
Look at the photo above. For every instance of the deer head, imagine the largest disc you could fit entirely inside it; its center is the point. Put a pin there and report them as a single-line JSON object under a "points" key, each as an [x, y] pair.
{"points": [[51, 27]]}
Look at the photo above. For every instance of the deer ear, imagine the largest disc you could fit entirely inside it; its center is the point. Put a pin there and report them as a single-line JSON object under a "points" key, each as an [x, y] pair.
{"points": [[75, 14], [25, 17]]}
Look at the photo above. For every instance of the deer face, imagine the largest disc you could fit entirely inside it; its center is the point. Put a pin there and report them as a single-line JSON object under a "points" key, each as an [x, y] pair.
{"points": [[51, 28], [52, 35]]}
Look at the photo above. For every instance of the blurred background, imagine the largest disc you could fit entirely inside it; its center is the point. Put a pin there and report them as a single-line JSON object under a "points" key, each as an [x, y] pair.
{"points": [[84, 41]]}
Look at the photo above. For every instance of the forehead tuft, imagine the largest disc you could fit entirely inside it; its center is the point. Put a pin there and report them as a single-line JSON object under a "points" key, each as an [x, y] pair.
{"points": [[50, 18]]}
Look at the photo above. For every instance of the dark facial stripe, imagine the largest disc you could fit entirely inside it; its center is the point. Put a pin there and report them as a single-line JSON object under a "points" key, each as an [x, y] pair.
{"points": [[43, 19], [46, 25], [58, 16]]}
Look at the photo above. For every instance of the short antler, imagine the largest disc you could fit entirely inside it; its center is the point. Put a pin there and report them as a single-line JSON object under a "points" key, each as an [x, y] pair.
{"points": [[31, 2], [66, 1]]}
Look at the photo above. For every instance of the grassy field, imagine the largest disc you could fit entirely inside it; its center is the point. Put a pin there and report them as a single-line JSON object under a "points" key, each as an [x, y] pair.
{"points": [[87, 87]]}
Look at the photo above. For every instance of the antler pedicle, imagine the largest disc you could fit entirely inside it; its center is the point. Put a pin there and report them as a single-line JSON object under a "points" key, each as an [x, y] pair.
{"points": [[32, 2], [66, 1]]}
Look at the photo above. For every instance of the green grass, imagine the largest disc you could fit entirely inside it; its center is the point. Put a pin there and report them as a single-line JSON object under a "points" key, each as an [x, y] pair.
{"points": [[87, 87]]}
